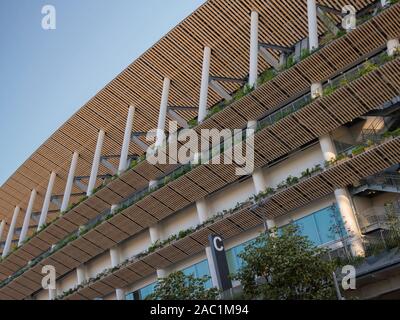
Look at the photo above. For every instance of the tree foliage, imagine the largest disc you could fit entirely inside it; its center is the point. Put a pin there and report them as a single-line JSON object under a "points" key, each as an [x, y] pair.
{"points": [[287, 266], [178, 286]]}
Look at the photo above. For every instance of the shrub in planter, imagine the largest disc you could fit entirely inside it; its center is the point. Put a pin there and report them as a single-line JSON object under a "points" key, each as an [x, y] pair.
{"points": [[358, 150]]}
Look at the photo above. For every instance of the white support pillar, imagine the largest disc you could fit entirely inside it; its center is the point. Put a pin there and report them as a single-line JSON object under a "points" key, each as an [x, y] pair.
{"points": [[163, 113], [312, 25], [343, 200], [327, 147], [205, 78], [115, 259], [96, 162], [27, 219], [316, 90], [46, 202], [10, 234], [2, 225], [155, 235], [81, 274], [70, 182], [123, 161], [254, 46], [202, 210], [392, 46], [260, 185]]}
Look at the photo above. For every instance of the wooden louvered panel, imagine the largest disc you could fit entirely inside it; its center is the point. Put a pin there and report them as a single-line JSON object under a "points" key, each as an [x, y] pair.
{"points": [[141, 268], [73, 217], [125, 224], [66, 225], [205, 179], [154, 207], [172, 253], [135, 180], [88, 247], [268, 146], [188, 189], [188, 246], [246, 219], [170, 198], [88, 212], [102, 288], [99, 239], [121, 188], [65, 260], [156, 261], [76, 253], [148, 171], [127, 275], [111, 232], [97, 203], [108, 196], [139, 216], [316, 119], [225, 228], [114, 282], [248, 109]]}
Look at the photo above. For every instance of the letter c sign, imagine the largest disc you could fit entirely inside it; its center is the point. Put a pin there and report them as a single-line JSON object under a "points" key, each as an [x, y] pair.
{"points": [[218, 244]]}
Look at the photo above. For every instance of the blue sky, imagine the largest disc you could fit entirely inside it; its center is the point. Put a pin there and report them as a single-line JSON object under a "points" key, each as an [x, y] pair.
{"points": [[47, 75]]}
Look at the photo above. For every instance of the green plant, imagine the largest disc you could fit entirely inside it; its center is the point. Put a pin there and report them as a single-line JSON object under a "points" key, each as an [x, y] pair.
{"points": [[329, 90], [358, 150], [277, 259], [266, 76], [367, 68], [178, 286], [290, 61], [290, 180], [192, 123], [305, 53]]}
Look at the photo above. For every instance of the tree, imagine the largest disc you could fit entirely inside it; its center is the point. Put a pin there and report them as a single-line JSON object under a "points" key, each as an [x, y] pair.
{"points": [[178, 286], [287, 266]]}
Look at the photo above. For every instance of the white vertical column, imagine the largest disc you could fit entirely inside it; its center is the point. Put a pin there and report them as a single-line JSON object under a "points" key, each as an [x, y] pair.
{"points": [[2, 225], [205, 78], [123, 161], [70, 182], [81, 274], [327, 147], [10, 234], [260, 185], [163, 112], [27, 219], [312, 25], [96, 162], [343, 200], [155, 235], [202, 210], [46, 202], [392, 46], [115, 260], [253, 72]]}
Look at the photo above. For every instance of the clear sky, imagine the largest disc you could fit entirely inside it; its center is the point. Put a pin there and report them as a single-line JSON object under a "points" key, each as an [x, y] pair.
{"points": [[47, 75]]}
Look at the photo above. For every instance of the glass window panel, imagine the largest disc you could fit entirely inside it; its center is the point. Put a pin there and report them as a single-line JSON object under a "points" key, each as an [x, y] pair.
{"points": [[129, 296], [308, 228], [146, 291]]}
